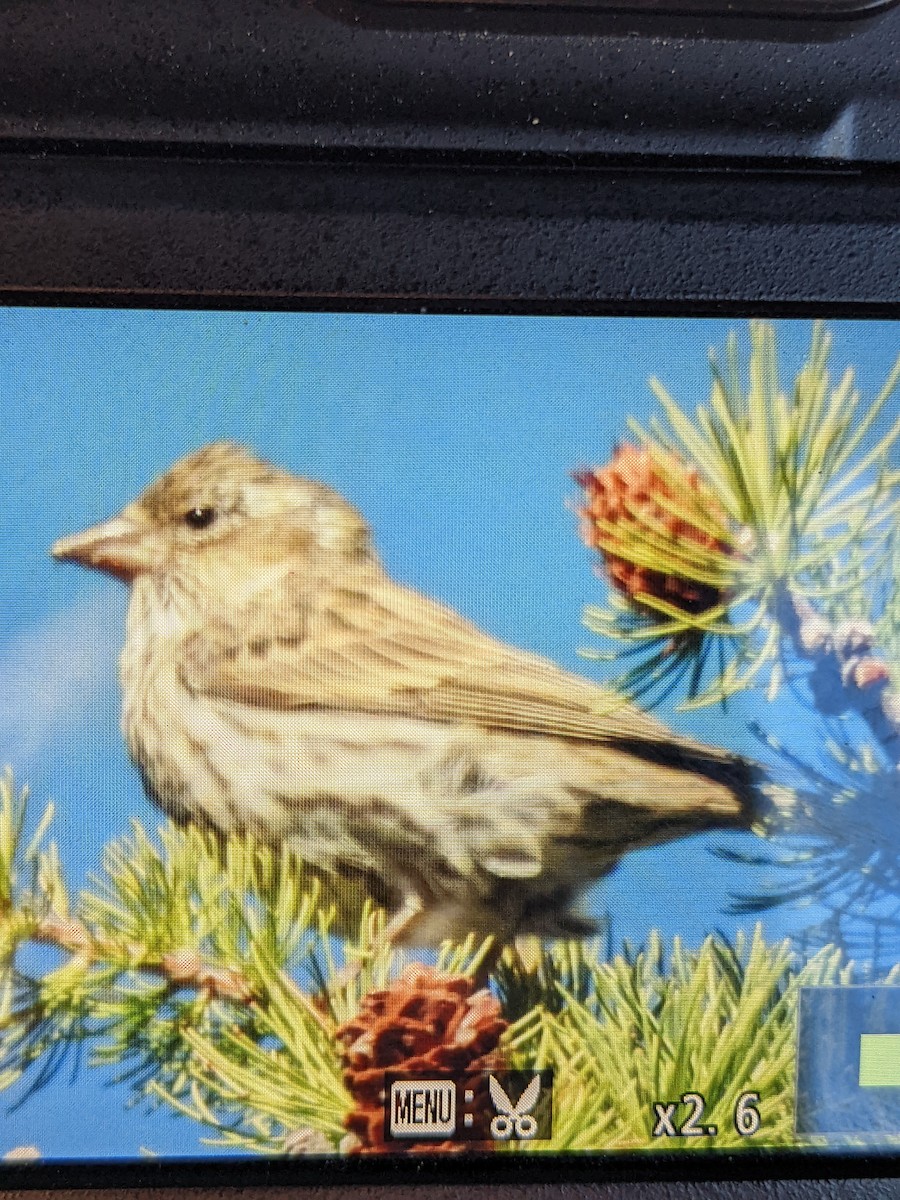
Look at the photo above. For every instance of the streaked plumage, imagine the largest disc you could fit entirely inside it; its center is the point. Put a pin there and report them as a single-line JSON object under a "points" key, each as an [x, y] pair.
{"points": [[276, 680]]}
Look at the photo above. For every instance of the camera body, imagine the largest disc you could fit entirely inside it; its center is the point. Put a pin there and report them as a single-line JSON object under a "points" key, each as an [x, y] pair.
{"points": [[553, 159], [471, 155]]}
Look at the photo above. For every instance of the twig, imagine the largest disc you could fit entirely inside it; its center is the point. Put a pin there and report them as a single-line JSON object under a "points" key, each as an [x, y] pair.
{"points": [[184, 968], [847, 675]]}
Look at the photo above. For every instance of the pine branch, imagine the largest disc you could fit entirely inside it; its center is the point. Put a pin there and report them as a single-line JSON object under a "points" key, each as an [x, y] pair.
{"points": [[719, 523], [228, 1032], [182, 968], [750, 544]]}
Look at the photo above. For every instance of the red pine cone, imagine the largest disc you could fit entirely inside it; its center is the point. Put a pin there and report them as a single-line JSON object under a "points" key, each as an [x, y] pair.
{"points": [[625, 493], [426, 1023]]}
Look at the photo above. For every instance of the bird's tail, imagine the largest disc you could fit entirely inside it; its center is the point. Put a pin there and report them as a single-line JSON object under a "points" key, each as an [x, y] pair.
{"points": [[646, 793], [728, 783]]}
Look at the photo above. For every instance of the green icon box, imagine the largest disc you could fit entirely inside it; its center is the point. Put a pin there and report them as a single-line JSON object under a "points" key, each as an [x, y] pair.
{"points": [[848, 1061], [879, 1060]]}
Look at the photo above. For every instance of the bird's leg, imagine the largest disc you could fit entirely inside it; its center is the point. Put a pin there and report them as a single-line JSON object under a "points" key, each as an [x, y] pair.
{"points": [[519, 966], [401, 922], [527, 953], [396, 929], [486, 962], [523, 956]]}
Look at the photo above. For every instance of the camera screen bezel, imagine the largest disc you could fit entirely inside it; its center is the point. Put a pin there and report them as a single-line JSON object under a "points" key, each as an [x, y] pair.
{"points": [[89, 230]]}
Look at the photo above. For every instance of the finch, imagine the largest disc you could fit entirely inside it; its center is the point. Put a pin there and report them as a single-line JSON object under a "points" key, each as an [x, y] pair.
{"points": [[277, 681]]}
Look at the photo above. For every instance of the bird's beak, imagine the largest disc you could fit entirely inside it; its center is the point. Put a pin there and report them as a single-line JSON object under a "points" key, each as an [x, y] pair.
{"points": [[120, 546]]}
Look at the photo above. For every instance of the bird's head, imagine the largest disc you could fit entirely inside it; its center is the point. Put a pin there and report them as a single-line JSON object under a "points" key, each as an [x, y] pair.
{"points": [[221, 510]]}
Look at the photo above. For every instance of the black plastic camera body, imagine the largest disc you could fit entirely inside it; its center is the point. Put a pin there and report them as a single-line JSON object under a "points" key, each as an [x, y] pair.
{"points": [[467, 156], [685, 157]]}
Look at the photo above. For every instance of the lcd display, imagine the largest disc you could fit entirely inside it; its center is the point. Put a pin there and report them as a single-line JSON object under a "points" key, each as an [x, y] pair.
{"points": [[441, 735]]}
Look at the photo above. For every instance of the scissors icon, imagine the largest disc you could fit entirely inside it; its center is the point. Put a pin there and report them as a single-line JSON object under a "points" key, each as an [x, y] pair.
{"points": [[514, 1118]]}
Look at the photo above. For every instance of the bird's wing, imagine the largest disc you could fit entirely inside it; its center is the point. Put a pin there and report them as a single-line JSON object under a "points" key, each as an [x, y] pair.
{"points": [[370, 645]]}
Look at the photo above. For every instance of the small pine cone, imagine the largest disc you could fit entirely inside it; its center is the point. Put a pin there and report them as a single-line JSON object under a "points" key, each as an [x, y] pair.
{"points": [[625, 494], [426, 1023]]}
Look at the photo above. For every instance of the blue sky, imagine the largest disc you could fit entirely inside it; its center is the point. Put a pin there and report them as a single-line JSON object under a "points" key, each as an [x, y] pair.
{"points": [[455, 436]]}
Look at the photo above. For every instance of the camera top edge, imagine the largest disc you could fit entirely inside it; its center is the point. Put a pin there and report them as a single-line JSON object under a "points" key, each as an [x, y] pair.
{"points": [[814, 83]]}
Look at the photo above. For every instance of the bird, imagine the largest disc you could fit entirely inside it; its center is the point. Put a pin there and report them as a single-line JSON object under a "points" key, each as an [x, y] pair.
{"points": [[278, 682]]}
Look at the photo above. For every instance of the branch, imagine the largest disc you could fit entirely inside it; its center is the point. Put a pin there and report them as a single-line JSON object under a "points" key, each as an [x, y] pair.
{"points": [[183, 968], [846, 674]]}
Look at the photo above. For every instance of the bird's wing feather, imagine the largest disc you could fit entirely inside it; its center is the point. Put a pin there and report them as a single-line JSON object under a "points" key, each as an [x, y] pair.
{"points": [[370, 645]]}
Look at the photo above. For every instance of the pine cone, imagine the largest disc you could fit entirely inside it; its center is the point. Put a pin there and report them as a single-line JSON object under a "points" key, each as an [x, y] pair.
{"points": [[623, 498], [426, 1023]]}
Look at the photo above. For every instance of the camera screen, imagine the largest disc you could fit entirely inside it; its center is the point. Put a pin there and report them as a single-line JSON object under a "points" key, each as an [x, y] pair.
{"points": [[448, 734]]}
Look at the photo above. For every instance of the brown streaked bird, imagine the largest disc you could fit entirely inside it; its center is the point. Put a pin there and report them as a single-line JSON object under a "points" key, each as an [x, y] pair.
{"points": [[276, 680]]}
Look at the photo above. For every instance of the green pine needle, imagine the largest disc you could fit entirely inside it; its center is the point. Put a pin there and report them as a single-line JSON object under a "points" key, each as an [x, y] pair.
{"points": [[237, 1032], [809, 514]]}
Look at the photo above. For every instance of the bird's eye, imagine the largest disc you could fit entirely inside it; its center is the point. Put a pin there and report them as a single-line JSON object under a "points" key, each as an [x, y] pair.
{"points": [[200, 517]]}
